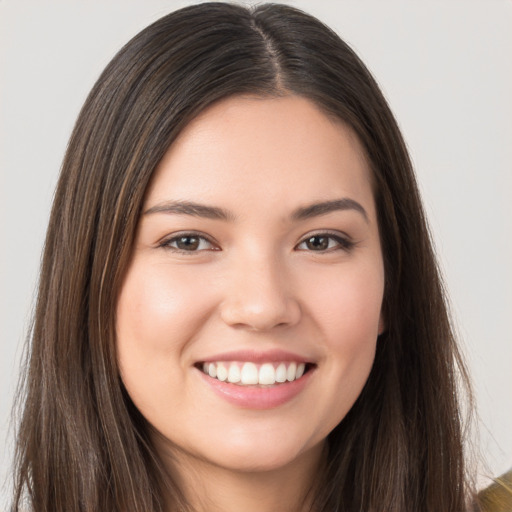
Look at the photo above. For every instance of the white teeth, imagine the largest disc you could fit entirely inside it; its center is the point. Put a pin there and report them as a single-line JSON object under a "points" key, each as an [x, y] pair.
{"points": [[267, 374], [250, 374], [233, 373], [281, 373], [290, 373], [222, 372]]}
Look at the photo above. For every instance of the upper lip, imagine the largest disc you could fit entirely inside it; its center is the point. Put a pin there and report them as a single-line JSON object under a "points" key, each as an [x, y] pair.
{"points": [[255, 356]]}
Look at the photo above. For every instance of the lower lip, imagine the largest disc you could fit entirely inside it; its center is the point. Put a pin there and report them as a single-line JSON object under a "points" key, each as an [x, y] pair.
{"points": [[252, 397]]}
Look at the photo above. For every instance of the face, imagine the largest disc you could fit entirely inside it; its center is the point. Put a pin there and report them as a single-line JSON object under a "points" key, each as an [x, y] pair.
{"points": [[248, 318]]}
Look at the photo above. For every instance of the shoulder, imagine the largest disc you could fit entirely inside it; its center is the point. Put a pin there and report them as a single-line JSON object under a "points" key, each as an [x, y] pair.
{"points": [[498, 496]]}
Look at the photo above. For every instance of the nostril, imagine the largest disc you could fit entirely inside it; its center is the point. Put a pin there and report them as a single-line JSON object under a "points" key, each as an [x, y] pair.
{"points": [[260, 313]]}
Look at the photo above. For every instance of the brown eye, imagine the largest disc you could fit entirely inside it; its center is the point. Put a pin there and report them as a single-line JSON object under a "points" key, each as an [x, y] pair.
{"points": [[325, 242], [317, 243], [188, 242]]}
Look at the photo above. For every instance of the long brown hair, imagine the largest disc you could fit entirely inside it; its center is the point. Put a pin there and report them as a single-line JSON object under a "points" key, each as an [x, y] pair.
{"points": [[82, 445]]}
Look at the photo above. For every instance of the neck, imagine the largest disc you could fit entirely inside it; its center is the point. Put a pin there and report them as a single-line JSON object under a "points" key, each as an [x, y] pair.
{"points": [[211, 488]]}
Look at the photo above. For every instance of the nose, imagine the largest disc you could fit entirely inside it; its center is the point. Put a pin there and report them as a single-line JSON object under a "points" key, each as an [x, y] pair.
{"points": [[260, 296]]}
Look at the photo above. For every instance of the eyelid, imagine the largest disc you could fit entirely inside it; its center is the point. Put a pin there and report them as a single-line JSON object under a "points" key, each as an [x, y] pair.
{"points": [[165, 242], [345, 242]]}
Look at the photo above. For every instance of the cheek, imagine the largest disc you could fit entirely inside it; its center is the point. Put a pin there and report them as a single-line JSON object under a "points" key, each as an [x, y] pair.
{"points": [[347, 311], [158, 313], [348, 303], [155, 306]]}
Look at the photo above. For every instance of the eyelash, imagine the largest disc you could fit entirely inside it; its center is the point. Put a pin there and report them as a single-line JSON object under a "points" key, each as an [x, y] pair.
{"points": [[166, 244], [342, 243]]}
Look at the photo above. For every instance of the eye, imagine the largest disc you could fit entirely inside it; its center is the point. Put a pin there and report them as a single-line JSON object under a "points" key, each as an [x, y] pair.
{"points": [[188, 242], [325, 242]]}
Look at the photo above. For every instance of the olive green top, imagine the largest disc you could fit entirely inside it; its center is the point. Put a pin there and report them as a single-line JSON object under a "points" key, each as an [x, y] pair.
{"points": [[498, 496]]}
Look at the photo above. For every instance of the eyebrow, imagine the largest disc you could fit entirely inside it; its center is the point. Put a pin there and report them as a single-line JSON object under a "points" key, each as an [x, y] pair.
{"points": [[323, 208], [216, 213], [191, 208]]}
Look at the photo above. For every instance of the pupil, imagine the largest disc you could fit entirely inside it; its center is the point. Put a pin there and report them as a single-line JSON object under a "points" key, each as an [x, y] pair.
{"points": [[188, 243], [318, 243]]}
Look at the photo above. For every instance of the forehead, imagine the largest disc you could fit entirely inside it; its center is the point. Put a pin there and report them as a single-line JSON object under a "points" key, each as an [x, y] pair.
{"points": [[266, 151]]}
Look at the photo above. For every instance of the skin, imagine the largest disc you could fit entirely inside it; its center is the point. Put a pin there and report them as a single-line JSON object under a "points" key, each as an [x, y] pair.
{"points": [[254, 284]]}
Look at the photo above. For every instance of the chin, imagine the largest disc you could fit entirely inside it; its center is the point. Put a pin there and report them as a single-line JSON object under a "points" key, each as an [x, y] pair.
{"points": [[266, 455]]}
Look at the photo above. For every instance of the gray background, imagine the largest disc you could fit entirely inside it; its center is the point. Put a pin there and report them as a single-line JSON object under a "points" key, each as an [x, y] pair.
{"points": [[445, 67]]}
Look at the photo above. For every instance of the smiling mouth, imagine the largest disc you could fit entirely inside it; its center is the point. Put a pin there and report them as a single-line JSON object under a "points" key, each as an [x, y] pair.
{"points": [[252, 374]]}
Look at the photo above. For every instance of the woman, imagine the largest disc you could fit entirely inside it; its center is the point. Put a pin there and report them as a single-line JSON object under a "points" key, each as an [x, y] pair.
{"points": [[239, 306]]}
